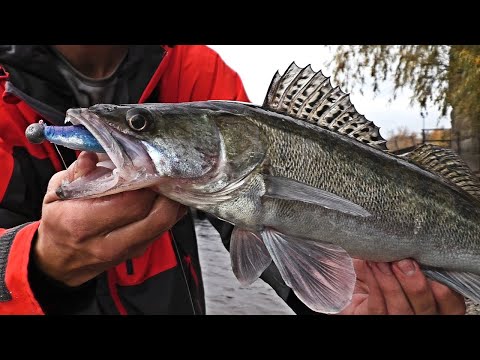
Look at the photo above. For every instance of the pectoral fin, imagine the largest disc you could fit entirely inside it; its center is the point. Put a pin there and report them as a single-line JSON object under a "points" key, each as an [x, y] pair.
{"points": [[320, 274], [248, 255], [287, 189]]}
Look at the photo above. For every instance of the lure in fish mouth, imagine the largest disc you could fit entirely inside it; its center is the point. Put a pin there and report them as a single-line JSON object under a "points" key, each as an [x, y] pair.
{"points": [[139, 146], [126, 165]]}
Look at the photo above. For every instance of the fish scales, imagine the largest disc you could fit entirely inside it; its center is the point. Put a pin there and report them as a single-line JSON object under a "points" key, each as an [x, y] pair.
{"points": [[305, 179], [415, 214]]}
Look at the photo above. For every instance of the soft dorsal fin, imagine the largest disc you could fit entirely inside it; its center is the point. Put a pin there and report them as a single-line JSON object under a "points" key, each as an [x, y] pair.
{"points": [[308, 95], [446, 163]]}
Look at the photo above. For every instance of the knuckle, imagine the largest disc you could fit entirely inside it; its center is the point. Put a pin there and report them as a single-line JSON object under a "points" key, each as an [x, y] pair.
{"points": [[78, 233], [104, 252], [417, 289], [62, 229], [140, 210]]}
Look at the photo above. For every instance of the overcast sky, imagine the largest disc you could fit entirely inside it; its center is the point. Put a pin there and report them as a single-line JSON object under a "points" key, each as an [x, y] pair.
{"points": [[256, 65]]}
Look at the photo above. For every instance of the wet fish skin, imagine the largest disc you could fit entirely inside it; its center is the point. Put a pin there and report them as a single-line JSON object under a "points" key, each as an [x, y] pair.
{"points": [[304, 195], [414, 213]]}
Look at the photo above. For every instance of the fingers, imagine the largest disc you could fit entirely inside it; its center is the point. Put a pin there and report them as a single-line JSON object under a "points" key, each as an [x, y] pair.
{"points": [[376, 301], [394, 297], [400, 288], [163, 215], [361, 286], [415, 287], [406, 290], [85, 163], [448, 301], [99, 216], [78, 239]]}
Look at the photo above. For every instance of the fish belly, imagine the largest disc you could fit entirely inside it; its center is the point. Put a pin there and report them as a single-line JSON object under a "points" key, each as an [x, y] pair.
{"points": [[368, 238]]}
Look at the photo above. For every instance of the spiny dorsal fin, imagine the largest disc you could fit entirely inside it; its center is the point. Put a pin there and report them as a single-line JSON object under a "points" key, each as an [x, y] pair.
{"points": [[308, 95], [448, 164]]}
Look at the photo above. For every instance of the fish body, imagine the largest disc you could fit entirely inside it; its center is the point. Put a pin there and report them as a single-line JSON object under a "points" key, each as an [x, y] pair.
{"points": [[412, 211], [305, 179]]}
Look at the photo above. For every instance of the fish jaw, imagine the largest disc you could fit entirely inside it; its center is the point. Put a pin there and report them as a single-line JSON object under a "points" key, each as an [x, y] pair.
{"points": [[127, 165]]}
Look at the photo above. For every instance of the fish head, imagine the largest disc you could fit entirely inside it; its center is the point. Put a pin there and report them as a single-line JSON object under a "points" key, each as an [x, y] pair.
{"points": [[169, 146]]}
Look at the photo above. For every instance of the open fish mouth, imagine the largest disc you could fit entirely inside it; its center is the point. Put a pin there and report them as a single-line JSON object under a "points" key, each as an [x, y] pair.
{"points": [[125, 166]]}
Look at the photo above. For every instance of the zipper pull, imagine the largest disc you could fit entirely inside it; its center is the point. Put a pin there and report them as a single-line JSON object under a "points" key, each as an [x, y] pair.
{"points": [[129, 264]]}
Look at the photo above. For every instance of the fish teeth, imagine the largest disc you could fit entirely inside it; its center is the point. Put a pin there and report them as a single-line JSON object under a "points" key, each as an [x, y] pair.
{"points": [[72, 120], [106, 164]]}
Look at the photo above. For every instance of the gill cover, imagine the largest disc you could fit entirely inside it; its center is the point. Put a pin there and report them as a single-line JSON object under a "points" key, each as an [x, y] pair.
{"points": [[193, 140]]}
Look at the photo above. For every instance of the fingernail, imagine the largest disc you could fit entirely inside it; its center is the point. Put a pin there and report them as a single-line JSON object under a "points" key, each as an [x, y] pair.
{"points": [[407, 267], [384, 268]]}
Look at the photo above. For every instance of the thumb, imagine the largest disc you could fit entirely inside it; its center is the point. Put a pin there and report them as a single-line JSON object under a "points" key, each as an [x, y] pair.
{"points": [[85, 163]]}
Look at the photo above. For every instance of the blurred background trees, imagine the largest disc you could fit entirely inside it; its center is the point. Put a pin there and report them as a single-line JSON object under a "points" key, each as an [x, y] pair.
{"points": [[446, 77]]}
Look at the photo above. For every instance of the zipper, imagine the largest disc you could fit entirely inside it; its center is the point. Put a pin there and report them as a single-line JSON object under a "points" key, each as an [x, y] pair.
{"points": [[129, 264]]}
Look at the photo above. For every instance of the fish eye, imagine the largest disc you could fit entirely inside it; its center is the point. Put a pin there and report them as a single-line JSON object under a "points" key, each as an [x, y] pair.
{"points": [[138, 121]]}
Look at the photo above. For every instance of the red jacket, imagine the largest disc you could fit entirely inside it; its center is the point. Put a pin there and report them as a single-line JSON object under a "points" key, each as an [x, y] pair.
{"points": [[177, 74]]}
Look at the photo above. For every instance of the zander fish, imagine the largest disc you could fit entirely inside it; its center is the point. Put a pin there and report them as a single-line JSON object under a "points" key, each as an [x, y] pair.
{"points": [[305, 179]]}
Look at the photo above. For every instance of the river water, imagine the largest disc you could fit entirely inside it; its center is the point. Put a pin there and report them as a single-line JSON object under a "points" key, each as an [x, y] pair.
{"points": [[224, 294]]}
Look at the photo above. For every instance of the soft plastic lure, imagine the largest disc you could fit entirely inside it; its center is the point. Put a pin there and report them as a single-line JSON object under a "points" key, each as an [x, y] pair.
{"points": [[75, 137]]}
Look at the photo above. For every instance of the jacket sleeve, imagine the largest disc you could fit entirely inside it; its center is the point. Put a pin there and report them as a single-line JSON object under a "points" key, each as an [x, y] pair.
{"points": [[207, 77], [17, 225], [25, 170], [16, 296], [16, 234], [24, 289]]}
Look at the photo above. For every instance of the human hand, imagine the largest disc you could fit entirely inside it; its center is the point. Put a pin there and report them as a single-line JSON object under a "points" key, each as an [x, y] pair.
{"points": [[79, 239], [384, 289]]}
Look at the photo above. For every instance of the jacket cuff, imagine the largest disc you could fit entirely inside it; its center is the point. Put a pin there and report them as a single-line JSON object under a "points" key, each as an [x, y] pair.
{"points": [[56, 298], [16, 296]]}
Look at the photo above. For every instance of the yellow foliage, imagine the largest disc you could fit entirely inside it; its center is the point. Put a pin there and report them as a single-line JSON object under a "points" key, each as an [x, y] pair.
{"points": [[440, 76]]}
